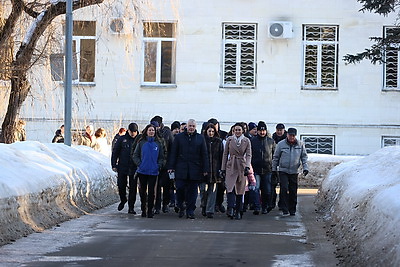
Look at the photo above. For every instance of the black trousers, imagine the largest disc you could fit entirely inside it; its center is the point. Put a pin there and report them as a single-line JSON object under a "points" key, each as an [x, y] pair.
{"points": [[122, 183], [147, 192], [220, 194], [163, 190], [288, 192]]}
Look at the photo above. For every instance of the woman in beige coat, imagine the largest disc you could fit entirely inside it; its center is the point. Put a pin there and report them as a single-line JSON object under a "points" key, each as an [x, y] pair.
{"points": [[236, 164]]}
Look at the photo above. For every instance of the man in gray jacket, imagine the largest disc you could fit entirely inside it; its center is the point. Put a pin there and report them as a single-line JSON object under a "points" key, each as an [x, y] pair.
{"points": [[288, 156]]}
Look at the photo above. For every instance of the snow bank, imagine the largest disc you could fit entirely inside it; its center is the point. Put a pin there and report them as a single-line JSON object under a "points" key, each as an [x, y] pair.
{"points": [[361, 203], [44, 184], [319, 166]]}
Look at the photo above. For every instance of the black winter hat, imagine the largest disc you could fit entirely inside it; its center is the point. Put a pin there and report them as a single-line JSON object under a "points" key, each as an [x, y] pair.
{"points": [[280, 126], [292, 131], [133, 127], [261, 126], [175, 125]]}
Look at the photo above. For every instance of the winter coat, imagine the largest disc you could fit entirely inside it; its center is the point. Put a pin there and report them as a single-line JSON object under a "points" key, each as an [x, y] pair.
{"points": [[288, 157], [86, 140], [115, 139], [189, 157], [277, 138], [149, 156], [121, 154], [262, 149], [58, 137], [234, 160], [215, 150]]}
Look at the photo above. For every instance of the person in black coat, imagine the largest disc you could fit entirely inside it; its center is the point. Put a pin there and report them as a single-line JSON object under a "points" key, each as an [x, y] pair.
{"points": [[59, 136], [262, 148], [188, 160], [121, 162], [208, 189]]}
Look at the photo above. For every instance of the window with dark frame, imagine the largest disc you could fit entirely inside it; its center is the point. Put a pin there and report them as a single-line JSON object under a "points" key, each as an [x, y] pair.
{"points": [[319, 144]]}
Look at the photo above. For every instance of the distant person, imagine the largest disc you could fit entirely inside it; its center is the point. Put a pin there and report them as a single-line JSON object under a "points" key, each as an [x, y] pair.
{"points": [[175, 127], [87, 139], [236, 165], [122, 163], [20, 134], [280, 133], [183, 127], [222, 134], [289, 155], [149, 157], [121, 132], [252, 129], [189, 161], [59, 136], [101, 144]]}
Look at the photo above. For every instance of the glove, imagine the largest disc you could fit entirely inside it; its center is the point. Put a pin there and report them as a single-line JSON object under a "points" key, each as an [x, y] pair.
{"points": [[222, 174], [251, 187], [115, 169], [246, 171], [305, 172]]}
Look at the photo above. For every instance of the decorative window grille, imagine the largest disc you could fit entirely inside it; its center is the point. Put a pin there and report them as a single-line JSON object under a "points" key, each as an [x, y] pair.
{"points": [[84, 54], [320, 44], [159, 53], [239, 55], [390, 141], [391, 66], [319, 144]]}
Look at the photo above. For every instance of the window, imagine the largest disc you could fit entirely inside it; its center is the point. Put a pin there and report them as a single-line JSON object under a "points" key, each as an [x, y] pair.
{"points": [[239, 55], [320, 44], [84, 54], [319, 144], [159, 43], [391, 66], [390, 141]]}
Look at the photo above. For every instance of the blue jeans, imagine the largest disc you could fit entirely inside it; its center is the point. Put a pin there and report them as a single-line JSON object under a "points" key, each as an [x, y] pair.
{"points": [[263, 184], [186, 191], [208, 196]]}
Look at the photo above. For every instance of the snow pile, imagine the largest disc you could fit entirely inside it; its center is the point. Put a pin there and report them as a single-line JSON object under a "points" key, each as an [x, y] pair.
{"points": [[44, 184], [319, 166], [362, 205]]}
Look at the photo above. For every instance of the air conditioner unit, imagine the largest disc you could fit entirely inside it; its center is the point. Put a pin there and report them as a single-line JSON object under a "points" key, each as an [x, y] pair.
{"points": [[280, 29], [120, 26]]}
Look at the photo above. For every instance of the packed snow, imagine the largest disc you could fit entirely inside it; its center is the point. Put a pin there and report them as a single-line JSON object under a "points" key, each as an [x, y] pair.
{"points": [[361, 202], [44, 184]]}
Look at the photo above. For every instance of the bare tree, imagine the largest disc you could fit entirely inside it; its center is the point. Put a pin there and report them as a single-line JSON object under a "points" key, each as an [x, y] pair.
{"points": [[41, 14]]}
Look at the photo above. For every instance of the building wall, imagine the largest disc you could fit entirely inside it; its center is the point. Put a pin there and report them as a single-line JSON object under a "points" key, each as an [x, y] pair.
{"points": [[359, 113]]}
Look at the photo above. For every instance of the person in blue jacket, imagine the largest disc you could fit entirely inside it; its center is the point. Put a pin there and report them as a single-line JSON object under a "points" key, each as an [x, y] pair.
{"points": [[149, 157]]}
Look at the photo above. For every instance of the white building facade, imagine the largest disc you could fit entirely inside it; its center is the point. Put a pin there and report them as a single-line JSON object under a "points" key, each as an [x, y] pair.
{"points": [[276, 61]]}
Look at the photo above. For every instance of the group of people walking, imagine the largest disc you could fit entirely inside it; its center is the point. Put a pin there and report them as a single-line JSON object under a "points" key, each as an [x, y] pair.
{"points": [[171, 165]]}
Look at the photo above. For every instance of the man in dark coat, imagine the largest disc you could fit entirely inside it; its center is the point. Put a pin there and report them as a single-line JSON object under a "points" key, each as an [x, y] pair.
{"points": [[59, 136], [189, 161], [262, 148], [121, 162]]}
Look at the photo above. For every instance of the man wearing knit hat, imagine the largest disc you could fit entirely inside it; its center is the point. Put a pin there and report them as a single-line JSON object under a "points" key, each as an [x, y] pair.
{"points": [[121, 162], [252, 129], [262, 148], [289, 155]]}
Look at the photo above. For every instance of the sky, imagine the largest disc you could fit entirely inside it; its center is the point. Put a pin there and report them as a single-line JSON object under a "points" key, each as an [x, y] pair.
{"points": [[361, 194]]}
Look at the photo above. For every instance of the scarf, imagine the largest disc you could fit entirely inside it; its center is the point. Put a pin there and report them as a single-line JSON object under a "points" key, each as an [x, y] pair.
{"points": [[238, 140]]}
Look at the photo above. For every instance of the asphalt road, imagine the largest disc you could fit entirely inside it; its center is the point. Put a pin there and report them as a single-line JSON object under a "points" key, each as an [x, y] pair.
{"points": [[111, 238]]}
